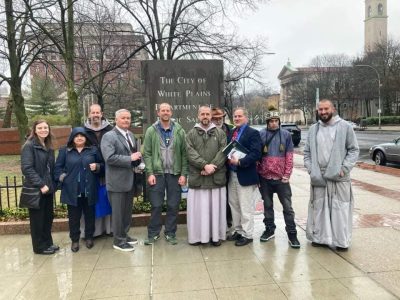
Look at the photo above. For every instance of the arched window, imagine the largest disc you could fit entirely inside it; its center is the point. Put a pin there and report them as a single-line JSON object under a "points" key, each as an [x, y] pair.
{"points": [[369, 11], [380, 9]]}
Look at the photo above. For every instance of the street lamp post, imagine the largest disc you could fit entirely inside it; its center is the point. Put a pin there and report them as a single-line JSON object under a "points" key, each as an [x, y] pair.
{"points": [[379, 91]]}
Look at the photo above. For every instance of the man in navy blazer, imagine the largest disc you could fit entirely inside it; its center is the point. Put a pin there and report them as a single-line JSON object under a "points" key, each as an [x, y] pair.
{"points": [[243, 178]]}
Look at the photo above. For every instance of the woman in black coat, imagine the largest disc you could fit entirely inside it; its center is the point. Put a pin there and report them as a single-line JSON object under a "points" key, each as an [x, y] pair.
{"points": [[37, 165], [77, 166]]}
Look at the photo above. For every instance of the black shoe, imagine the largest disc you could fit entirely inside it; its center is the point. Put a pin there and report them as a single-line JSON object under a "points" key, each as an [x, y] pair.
{"points": [[234, 237], [75, 247], [47, 251], [342, 249], [131, 240], [243, 241], [89, 243], [124, 247], [195, 244], [314, 244], [55, 247], [293, 241], [216, 244], [267, 235]]}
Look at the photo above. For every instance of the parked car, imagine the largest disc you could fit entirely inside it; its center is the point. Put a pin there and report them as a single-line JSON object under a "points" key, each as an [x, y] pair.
{"points": [[294, 130], [354, 125], [386, 152]]}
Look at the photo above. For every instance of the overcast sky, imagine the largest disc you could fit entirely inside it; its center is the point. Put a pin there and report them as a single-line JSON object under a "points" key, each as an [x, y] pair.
{"points": [[301, 29]]}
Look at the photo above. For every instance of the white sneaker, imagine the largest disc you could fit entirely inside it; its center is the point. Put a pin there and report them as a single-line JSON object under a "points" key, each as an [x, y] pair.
{"points": [[124, 247], [131, 241]]}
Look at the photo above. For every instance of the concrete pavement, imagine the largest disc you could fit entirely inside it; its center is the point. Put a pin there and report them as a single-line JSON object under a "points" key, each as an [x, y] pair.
{"points": [[271, 270]]}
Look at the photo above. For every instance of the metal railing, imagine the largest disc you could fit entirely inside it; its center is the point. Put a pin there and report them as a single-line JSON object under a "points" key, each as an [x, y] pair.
{"points": [[10, 189]]}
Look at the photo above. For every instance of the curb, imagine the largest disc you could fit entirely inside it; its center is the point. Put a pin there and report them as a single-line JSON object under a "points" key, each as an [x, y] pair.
{"points": [[23, 227], [379, 169]]}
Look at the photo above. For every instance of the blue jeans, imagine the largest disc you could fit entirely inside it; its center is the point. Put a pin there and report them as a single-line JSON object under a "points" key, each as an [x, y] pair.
{"points": [[267, 189], [164, 183]]}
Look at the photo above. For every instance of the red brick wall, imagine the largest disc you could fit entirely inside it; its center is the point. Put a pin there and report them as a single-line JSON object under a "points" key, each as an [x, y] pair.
{"points": [[9, 139]]}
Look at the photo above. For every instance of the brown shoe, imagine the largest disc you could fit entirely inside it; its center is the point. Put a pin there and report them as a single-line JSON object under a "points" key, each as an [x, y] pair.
{"points": [[89, 243], [75, 247]]}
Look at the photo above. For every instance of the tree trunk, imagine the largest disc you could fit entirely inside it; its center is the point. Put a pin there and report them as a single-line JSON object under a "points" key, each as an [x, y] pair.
{"points": [[8, 113], [15, 82], [75, 113], [100, 101], [19, 111]]}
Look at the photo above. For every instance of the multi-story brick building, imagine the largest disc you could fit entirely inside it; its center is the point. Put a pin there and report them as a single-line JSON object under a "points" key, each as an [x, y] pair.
{"points": [[99, 48]]}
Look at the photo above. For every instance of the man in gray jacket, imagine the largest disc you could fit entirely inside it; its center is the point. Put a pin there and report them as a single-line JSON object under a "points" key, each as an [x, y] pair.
{"points": [[330, 153], [121, 155]]}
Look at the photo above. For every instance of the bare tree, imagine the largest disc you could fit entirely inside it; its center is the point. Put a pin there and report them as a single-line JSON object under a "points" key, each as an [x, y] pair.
{"points": [[19, 47], [104, 37], [231, 94], [56, 21], [386, 60], [332, 77], [190, 29], [301, 95]]}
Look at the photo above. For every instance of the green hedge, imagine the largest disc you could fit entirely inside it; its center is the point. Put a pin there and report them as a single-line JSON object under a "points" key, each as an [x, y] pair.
{"points": [[385, 120], [53, 120], [60, 212], [19, 214]]}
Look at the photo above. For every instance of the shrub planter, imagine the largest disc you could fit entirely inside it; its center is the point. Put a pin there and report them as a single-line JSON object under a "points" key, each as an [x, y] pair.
{"points": [[22, 227]]}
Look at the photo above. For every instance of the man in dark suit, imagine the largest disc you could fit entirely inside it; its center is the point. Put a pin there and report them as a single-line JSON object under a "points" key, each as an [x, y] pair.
{"points": [[243, 178], [121, 155]]}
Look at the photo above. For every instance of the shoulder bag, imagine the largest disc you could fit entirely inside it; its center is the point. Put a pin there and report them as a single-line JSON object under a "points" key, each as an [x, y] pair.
{"points": [[30, 197]]}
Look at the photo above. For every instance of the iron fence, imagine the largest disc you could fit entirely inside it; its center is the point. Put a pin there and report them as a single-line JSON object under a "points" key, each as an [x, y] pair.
{"points": [[10, 189]]}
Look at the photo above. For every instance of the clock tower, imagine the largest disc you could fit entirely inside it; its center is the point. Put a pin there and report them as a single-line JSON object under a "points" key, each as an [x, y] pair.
{"points": [[375, 24]]}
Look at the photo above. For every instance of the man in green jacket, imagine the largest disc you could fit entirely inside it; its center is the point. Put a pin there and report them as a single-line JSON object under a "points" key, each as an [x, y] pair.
{"points": [[206, 203], [166, 168]]}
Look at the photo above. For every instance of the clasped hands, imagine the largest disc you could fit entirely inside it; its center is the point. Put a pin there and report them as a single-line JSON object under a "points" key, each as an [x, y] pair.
{"points": [[208, 169], [136, 156]]}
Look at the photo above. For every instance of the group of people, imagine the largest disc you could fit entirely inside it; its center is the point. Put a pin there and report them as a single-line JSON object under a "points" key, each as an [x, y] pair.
{"points": [[222, 182]]}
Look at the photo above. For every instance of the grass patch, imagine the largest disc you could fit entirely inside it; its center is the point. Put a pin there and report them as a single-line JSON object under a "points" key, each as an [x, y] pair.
{"points": [[10, 165]]}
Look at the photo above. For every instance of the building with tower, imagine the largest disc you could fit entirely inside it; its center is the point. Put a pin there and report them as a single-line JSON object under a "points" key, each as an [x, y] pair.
{"points": [[375, 27], [298, 86]]}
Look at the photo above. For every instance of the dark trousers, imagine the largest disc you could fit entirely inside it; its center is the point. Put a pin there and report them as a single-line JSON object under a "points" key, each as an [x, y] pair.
{"points": [[168, 183], [121, 205], [228, 210], [228, 207], [74, 219], [267, 188], [41, 221]]}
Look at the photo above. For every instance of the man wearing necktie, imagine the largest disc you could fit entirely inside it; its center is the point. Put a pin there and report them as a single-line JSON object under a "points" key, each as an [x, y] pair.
{"points": [[243, 179], [121, 155]]}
